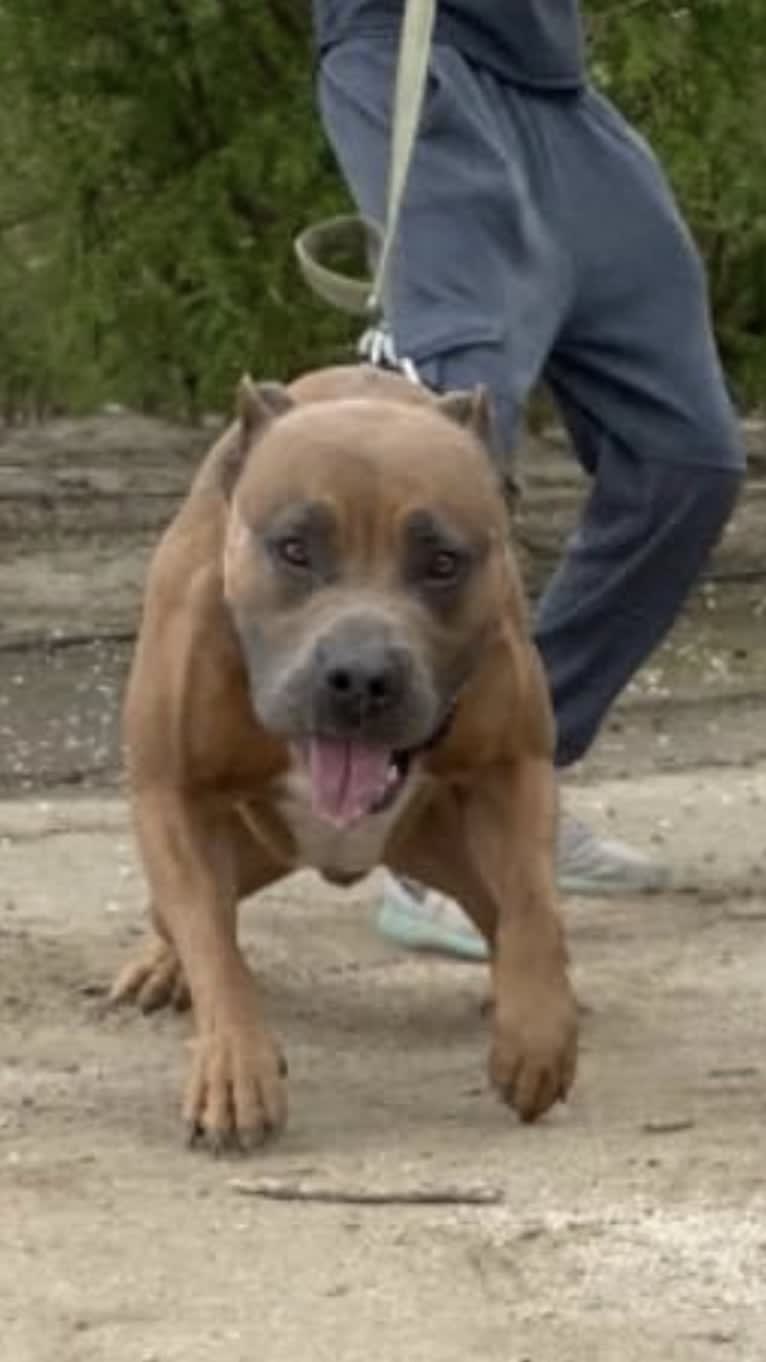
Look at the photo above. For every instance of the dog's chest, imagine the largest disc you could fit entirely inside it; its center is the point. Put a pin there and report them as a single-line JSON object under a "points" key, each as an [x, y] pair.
{"points": [[340, 853]]}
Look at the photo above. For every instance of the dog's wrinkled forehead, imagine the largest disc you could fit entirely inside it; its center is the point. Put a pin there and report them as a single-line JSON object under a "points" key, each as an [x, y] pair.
{"points": [[370, 455]]}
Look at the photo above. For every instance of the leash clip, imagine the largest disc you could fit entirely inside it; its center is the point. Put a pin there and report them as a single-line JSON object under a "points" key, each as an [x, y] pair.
{"points": [[376, 346]]}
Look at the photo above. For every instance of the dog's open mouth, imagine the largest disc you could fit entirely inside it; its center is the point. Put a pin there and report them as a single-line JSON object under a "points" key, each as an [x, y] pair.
{"points": [[350, 779]]}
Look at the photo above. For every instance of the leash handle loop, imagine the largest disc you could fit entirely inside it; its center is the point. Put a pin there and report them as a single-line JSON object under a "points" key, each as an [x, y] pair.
{"points": [[359, 296]]}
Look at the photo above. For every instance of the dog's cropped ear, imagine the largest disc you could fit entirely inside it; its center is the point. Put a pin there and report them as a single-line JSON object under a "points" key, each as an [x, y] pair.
{"points": [[471, 409], [258, 404]]}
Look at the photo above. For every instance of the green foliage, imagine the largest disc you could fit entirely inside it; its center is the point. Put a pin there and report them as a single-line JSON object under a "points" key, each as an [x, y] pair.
{"points": [[157, 159]]}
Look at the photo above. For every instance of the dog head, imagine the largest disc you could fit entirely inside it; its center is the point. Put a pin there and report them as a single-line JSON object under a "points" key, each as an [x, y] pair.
{"points": [[363, 569]]}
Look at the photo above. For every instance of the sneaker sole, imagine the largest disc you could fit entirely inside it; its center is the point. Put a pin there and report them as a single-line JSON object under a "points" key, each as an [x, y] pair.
{"points": [[609, 889]]}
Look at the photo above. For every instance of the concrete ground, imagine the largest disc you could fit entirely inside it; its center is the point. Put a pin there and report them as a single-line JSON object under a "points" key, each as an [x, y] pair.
{"points": [[629, 1226]]}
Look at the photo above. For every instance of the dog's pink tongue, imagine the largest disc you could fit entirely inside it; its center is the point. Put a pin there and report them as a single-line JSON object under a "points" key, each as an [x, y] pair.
{"points": [[347, 778]]}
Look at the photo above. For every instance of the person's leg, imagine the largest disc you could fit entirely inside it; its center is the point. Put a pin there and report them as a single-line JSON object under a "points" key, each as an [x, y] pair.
{"points": [[480, 287], [639, 383], [640, 386], [478, 293]]}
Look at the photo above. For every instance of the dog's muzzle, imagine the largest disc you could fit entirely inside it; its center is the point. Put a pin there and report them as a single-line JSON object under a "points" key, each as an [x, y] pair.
{"points": [[372, 710]]}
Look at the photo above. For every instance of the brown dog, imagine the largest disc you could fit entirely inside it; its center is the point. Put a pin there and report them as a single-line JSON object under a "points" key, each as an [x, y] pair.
{"points": [[334, 669]]}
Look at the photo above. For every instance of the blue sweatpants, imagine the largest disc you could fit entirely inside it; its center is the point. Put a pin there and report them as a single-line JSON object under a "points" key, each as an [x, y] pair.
{"points": [[539, 239]]}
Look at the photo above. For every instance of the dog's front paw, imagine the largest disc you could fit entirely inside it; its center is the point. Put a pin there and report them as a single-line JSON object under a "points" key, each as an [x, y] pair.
{"points": [[236, 1096], [152, 980], [534, 1049]]}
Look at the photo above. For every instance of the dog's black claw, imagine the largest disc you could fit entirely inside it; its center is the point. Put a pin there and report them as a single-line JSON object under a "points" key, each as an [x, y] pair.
{"points": [[250, 1141], [216, 1143], [283, 1069], [194, 1134]]}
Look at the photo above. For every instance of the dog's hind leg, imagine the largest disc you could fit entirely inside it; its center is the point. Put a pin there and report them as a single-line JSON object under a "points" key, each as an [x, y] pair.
{"points": [[153, 978]]}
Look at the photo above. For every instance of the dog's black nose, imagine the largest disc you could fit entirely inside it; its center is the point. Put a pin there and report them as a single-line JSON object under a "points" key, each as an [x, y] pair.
{"points": [[361, 680]]}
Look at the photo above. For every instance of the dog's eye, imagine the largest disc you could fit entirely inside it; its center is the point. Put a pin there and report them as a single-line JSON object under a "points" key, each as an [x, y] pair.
{"points": [[444, 566], [294, 551]]}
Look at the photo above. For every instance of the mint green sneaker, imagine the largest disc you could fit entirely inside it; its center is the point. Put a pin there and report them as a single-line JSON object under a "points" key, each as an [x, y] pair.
{"points": [[422, 919]]}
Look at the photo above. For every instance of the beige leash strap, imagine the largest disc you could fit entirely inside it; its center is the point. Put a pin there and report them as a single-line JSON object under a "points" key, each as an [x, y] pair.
{"points": [[351, 235]]}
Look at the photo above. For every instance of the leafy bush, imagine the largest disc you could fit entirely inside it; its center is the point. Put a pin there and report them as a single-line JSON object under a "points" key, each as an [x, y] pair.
{"points": [[157, 159]]}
